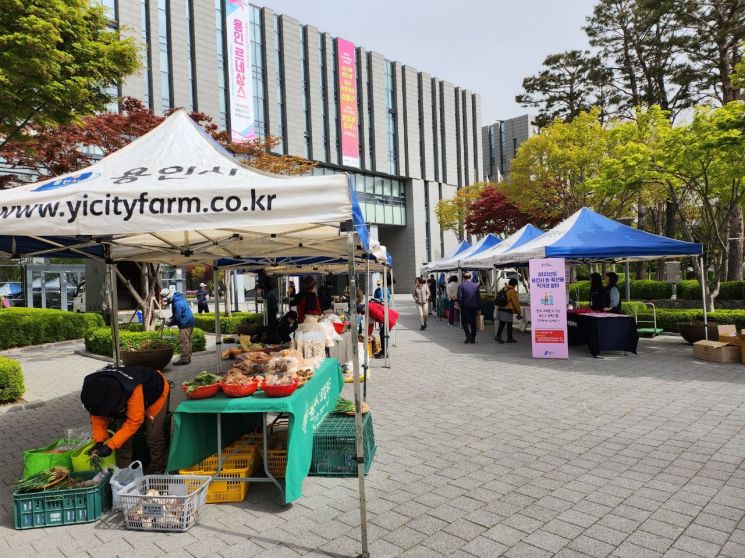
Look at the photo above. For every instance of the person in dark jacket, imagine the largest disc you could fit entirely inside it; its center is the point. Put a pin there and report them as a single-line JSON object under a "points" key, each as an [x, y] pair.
{"points": [[432, 284], [469, 303], [135, 395], [506, 313], [181, 316], [325, 294], [287, 325], [202, 297], [270, 302], [598, 295], [614, 295]]}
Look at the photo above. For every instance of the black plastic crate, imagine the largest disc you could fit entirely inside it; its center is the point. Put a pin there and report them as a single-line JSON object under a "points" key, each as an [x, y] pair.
{"points": [[334, 453]]}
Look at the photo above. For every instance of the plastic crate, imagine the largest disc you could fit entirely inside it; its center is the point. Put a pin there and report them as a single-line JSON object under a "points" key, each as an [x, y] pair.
{"points": [[176, 508], [69, 506], [334, 450], [237, 462]]}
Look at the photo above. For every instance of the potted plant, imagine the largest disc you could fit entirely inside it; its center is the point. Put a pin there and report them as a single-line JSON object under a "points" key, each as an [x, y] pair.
{"points": [[153, 353], [694, 330]]}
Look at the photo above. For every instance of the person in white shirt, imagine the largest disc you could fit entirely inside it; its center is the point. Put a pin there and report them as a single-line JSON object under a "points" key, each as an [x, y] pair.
{"points": [[451, 289]]}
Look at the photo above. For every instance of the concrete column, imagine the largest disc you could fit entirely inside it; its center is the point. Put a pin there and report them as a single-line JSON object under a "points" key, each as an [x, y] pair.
{"points": [[411, 131], [205, 38], [427, 148], [293, 86], [379, 112]]}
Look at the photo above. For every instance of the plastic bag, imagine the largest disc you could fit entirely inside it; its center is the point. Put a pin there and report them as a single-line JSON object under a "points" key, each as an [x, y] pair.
{"points": [[57, 454], [121, 478]]}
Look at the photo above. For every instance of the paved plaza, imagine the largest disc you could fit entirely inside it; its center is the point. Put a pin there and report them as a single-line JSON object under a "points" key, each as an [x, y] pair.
{"points": [[482, 451]]}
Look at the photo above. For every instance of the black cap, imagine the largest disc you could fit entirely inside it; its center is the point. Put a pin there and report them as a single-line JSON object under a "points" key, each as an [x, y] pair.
{"points": [[101, 396]]}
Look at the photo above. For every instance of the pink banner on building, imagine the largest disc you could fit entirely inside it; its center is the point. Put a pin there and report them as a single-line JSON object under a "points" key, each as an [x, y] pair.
{"points": [[348, 118], [548, 308]]}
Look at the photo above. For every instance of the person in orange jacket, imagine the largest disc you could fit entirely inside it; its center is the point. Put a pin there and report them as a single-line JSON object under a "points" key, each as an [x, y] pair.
{"points": [[136, 395]]}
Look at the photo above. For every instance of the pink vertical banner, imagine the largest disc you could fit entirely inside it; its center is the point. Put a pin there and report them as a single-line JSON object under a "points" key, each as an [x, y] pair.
{"points": [[347, 70], [548, 308]]}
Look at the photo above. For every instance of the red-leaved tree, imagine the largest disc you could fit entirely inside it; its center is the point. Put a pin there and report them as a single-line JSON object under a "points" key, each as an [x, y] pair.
{"points": [[493, 212]]}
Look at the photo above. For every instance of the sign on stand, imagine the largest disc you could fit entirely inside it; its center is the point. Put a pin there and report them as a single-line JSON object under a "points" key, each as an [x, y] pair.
{"points": [[548, 308]]}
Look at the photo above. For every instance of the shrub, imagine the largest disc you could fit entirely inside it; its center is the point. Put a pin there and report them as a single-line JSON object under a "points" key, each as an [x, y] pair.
{"points": [[98, 341], [206, 322], [11, 380], [731, 290], [690, 289], [20, 327]]}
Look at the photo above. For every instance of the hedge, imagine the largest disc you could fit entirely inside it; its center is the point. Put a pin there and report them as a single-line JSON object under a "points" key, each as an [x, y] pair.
{"points": [[206, 322], [11, 380], [98, 341], [20, 327], [652, 290], [669, 318]]}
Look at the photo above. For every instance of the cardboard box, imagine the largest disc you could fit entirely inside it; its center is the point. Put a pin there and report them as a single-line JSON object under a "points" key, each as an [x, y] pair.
{"points": [[717, 351], [727, 330], [737, 340]]}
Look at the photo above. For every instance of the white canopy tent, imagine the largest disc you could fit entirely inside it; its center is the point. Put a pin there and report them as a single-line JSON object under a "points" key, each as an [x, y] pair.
{"points": [[176, 196]]}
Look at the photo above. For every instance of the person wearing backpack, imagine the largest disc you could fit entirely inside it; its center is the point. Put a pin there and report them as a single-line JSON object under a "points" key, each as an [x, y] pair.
{"points": [[508, 306]]}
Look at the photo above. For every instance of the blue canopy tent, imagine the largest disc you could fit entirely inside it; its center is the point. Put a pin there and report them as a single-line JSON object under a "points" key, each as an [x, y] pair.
{"points": [[432, 266], [587, 236]]}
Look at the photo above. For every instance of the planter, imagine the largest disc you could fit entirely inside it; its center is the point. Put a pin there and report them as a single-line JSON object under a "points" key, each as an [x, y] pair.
{"points": [[247, 329], [694, 331], [156, 358]]}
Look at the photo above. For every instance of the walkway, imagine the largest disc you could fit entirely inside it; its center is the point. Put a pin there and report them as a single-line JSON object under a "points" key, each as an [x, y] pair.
{"points": [[482, 451]]}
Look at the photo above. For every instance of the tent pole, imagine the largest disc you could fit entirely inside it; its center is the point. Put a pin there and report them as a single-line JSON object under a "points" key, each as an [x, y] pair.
{"points": [[628, 280], [703, 297], [218, 341], [366, 333], [114, 307], [386, 329], [359, 446], [393, 305]]}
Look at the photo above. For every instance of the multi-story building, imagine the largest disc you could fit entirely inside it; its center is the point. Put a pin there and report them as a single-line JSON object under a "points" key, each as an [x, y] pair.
{"points": [[501, 141], [408, 138]]}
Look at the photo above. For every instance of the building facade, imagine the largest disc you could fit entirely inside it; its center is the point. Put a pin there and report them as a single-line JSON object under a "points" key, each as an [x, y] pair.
{"points": [[501, 141], [416, 138]]}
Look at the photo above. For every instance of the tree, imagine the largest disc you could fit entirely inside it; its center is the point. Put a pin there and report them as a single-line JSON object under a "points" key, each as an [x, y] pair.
{"points": [[57, 59], [570, 83], [51, 151], [451, 214], [552, 175], [643, 44], [703, 167], [493, 212]]}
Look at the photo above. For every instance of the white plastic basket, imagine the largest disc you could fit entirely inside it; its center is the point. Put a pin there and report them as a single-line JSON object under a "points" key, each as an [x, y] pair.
{"points": [[121, 478], [175, 508]]}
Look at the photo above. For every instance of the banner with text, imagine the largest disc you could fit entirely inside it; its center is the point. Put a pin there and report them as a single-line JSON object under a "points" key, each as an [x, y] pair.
{"points": [[548, 308], [239, 63], [350, 151]]}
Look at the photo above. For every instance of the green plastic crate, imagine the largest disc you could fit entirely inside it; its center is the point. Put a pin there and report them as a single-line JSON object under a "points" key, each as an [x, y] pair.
{"points": [[50, 508], [334, 452]]}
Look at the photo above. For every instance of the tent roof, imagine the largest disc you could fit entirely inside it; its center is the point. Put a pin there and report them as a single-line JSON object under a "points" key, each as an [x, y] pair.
{"points": [[176, 196], [586, 235], [485, 258], [456, 261], [487, 243], [432, 266]]}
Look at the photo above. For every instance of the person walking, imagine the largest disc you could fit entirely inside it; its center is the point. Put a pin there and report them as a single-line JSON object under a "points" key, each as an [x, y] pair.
{"points": [[451, 290], [432, 284], [614, 296], [421, 298], [508, 306], [202, 297], [181, 316], [469, 304]]}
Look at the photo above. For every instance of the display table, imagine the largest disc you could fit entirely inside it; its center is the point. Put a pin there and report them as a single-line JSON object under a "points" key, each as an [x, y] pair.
{"points": [[196, 436], [602, 331], [343, 351]]}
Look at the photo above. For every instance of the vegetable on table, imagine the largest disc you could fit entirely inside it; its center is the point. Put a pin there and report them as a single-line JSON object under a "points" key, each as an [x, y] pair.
{"points": [[202, 379]]}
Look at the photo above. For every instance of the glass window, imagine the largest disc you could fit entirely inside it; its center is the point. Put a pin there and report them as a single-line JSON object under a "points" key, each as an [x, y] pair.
{"points": [[189, 4], [320, 154], [304, 81], [280, 148], [391, 118], [166, 100], [257, 71], [145, 20]]}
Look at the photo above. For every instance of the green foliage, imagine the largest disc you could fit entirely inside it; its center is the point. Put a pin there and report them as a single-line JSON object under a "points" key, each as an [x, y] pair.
{"points": [[20, 327], [56, 59], [451, 213], [731, 290], [689, 289], [654, 290], [11, 380], [98, 341], [206, 322]]}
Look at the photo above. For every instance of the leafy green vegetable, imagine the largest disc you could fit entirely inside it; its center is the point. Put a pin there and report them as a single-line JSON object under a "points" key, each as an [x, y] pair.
{"points": [[202, 379], [344, 406]]}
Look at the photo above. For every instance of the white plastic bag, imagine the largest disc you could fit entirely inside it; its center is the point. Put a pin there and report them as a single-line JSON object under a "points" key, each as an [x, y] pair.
{"points": [[121, 478]]}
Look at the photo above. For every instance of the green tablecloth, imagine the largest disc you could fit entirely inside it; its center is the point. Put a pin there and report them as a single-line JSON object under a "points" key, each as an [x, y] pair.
{"points": [[196, 428]]}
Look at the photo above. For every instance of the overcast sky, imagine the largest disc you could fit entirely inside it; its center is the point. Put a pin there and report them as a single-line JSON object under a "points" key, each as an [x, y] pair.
{"points": [[487, 46]]}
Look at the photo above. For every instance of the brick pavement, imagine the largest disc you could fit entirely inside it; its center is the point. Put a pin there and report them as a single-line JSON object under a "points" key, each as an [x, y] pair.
{"points": [[482, 452]]}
